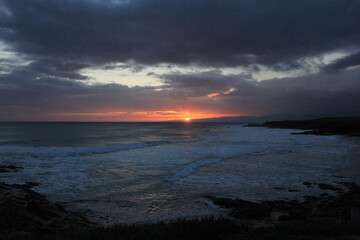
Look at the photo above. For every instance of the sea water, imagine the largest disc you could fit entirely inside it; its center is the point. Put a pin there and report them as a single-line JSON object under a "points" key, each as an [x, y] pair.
{"points": [[144, 172]]}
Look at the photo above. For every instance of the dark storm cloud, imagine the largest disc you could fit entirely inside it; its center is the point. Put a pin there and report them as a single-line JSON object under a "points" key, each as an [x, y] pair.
{"points": [[30, 96], [208, 32], [33, 98], [320, 93], [205, 83], [54, 69], [59, 38]]}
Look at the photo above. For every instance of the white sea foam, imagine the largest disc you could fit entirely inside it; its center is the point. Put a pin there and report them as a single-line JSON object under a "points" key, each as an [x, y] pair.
{"points": [[213, 154], [168, 179], [51, 152]]}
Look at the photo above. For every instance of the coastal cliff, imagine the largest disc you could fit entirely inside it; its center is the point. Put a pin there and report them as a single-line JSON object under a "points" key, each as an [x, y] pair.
{"points": [[349, 126]]}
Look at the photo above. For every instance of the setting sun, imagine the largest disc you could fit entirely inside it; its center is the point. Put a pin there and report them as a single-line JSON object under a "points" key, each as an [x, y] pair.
{"points": [[187, 119]]}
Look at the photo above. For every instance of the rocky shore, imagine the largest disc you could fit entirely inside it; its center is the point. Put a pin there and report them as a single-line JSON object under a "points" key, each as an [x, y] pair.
{"points": [[349, 126], [344, 207], [25, 214], [22, 211], [326, 216]]}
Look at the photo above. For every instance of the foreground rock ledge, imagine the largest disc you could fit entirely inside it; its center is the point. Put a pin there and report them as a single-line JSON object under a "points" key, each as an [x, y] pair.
{"points": [[23, 210], [342, 208]]}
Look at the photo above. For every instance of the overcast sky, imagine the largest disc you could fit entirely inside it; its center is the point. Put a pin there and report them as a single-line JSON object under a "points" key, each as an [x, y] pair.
{"points": [[141, 60]]}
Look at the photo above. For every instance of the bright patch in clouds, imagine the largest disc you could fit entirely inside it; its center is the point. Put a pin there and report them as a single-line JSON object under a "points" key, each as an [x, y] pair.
{"points": [[9, 59], [333, 56], [133, 75], [121, 76], [211, 95], [124, 60], [218, 95]]}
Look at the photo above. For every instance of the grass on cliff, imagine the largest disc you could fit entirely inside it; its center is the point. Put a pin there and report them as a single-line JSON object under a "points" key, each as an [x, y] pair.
{"points": [[205, 228], [304, 230]]}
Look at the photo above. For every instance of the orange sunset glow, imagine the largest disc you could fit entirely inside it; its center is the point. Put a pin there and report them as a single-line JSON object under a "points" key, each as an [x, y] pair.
{"points": [[140, 119], [141, 116]]}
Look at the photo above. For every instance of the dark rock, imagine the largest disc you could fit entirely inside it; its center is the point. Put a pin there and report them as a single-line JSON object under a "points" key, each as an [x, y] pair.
{"points": [[284, 218], [324, 208], [310, 198], [321, 126], [324, 194], [22, 209], [32, 184], [253, 125], [328, 213], [293, 190], [10, 168], [243, 209], [307, 184], [350, 186], [326, 186], [297, 215], [253, 212]]}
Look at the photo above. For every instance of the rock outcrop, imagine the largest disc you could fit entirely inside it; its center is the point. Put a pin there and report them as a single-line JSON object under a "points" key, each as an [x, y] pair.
{"points": [[344, 207], [349, 126], [23, 210]]}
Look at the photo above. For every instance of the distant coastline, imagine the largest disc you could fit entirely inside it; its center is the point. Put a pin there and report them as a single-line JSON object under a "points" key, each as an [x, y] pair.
{"points": [[349, 126]]}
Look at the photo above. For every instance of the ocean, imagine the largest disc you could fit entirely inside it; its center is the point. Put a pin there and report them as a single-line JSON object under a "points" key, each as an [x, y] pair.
{"points": [[146, 172]]}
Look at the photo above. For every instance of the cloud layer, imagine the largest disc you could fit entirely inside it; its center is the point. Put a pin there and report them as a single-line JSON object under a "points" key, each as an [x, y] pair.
{"points": [[51, 41]]}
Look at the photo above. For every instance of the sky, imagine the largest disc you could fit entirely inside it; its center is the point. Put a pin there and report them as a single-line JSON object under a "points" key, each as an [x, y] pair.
{"points": [[160, 60]]}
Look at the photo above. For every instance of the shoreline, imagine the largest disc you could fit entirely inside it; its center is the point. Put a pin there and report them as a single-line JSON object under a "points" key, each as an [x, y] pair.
{"points": [[245, 218], [28, 215]]}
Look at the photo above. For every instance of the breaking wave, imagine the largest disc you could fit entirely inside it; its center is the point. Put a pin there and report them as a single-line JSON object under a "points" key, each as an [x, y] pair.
{"points": [[50, 152]]}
